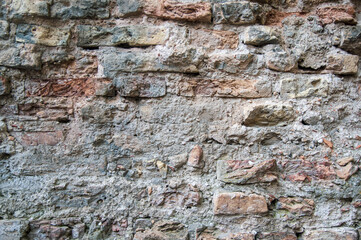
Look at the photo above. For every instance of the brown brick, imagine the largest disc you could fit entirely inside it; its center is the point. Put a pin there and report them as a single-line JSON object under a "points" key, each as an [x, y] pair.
{"points": [[276, 236], [166, 9], [39, 138], [337, 14], [239, 203], [331, 234]]}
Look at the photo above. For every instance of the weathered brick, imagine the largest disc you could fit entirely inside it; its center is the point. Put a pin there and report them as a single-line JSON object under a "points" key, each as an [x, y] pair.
{"points": [[195, 157], [305, 86], [245, 172], [260, 35], [331, 234], [164, 230], [242, 88], [13, 229], [337, 14], [5, 86], [213, 234], [343, 64], [140, 86], [239, 203], [48, 36], [301, 170], [64, 87], [39, 138], [347, 171], [183, 196], [297, 206], [133, 36], [166, 9], [268, 114], [236, 13], [20, 56], [276, 236], [80, 9]]}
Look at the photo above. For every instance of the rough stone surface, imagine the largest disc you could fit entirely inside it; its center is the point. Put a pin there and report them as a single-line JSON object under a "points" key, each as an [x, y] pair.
{"points": [[236, 13], [180, 119], [239, 203]]}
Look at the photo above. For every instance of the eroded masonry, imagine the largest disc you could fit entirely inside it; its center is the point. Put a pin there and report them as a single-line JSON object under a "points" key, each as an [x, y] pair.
{"points": [[180, 119]]}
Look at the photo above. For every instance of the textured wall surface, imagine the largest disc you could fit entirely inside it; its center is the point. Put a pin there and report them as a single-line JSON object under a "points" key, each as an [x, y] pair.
{"points": [[186, 119]]}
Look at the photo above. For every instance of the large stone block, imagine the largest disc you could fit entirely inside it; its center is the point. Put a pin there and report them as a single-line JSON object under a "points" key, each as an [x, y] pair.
{"points": [[166, 9], [239, 203], [48, 36], [331, 234], [128, 36], [280, 60], [237, 13], [246, 172], [80, 9], [276, 236], [164, 230], [214, 39], [13, 229], [183, 61], [20, 56], [305, 86], [268, 114], [20, 9]]}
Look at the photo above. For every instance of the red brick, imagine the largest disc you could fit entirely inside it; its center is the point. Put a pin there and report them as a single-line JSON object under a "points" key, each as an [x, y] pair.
{"points": [[337, 14], [239, 203]]}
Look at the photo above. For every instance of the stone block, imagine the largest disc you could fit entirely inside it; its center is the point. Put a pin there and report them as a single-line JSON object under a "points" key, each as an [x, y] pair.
{"points": [[214, 39], [195, 157], [21, 9], [307, 86], [343, 64], [183, 11], [20, 56], [246, 172], [80, 9], [4, 29], [297, 206], [235, 203], [128, 8], [351, 40], [260, 35], [230, 62], [48, 36], [334, 233], [127, 36], [39, 138], [240, 88], [280, 60], [115, 61], [268, 114], [347, 171], [237, 13], [140, 86], [13, 229]]}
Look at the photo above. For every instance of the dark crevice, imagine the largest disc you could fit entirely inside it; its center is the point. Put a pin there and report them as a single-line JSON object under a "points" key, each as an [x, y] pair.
{"points": [[192, 74], [90, 48], [126, 45], [311, 69], [304, 123]]}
